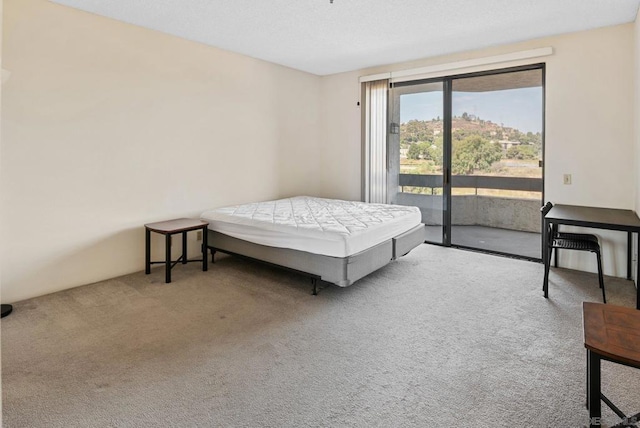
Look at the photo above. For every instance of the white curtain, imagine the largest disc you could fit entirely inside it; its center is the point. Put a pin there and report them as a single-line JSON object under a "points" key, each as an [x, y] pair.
{"points": [[375, 141]]}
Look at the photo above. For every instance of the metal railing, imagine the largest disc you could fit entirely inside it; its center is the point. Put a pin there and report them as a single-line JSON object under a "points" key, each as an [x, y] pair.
{"points": [[520, 212], [473, 181]]}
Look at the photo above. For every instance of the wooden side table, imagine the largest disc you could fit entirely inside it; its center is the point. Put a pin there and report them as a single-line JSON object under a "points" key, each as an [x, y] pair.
{"points": [[611, 333], [171, 227]]}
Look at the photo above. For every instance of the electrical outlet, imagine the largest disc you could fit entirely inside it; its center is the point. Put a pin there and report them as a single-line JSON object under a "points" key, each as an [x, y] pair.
{"points": [[199, 235], [566, 179]]}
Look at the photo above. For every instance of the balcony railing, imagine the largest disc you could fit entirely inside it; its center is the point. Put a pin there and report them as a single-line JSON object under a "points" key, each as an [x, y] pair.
{"points": [[473, 181], [514, 213]]}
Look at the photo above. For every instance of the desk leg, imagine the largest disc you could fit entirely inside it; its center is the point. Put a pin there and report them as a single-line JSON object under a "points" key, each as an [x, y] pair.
{"points": [[554, 232], [184, 248], [593, 373], [147, 251], [205, 247], [587, 384], [629, 239], [168, 258]]}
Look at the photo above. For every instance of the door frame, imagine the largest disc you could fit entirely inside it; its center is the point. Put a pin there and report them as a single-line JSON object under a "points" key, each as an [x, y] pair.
{"points": [[447, 86]]}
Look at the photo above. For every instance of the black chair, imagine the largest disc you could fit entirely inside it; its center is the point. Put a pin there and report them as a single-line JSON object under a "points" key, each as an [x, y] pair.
{"points": [[569, 241]]}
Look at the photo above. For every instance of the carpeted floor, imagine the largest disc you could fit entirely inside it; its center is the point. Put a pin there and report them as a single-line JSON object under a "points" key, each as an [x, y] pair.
{"points": [[441, 337]]}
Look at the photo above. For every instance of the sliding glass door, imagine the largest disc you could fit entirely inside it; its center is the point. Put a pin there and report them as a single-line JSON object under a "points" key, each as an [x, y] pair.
{"points": [[467, 150], [416, 142], [496, 162]]}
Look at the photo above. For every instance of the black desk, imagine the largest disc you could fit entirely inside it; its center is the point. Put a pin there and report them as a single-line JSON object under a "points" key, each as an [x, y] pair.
{"points": [[598, 218]]}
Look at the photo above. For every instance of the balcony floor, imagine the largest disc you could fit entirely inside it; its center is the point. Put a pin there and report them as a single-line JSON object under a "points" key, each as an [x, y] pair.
{"points": [[526, 244]]}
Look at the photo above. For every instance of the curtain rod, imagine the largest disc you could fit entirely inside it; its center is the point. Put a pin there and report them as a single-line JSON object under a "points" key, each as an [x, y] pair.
{"points": [[443, 69]]}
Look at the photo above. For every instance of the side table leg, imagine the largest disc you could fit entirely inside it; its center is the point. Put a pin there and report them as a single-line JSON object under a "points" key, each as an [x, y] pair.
{"points": [[205, 245], [168, 258], [184, 248], [595, 412], [147, 251]]}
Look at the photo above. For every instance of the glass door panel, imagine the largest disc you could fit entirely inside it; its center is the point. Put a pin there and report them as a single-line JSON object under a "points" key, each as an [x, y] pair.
{"points": [[416, 133], [496, 173]]}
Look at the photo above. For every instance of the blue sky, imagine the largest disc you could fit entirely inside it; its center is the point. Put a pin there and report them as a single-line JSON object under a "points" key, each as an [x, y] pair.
{"points": [[515, 108]]}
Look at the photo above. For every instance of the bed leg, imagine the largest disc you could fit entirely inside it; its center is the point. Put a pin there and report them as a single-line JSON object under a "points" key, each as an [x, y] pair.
{"points": [[213, 254], [314, 282]]}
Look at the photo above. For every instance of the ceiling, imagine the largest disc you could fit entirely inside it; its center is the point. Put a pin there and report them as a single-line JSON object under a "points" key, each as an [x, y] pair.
{"points": [[323, 38]]}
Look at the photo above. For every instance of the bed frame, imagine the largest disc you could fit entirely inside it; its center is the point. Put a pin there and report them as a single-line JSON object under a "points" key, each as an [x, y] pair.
{"points": [[342, 271]]}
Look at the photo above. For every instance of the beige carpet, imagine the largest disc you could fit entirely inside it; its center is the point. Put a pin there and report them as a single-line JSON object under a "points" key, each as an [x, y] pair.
{"points": [[442, 337]]}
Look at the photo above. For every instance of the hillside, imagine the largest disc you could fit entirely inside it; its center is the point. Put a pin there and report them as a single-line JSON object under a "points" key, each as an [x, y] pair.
{"points": [[421, 131]]}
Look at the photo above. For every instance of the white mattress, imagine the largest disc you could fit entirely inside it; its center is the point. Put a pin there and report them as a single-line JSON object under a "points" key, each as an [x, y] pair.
{"points": [[322, 226]]}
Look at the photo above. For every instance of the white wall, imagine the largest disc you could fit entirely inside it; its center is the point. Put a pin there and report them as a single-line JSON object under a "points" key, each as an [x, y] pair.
{"points": [[589, 126], [107, 126], [636, 81], [1, 297], [636, 123], [340, 117]]}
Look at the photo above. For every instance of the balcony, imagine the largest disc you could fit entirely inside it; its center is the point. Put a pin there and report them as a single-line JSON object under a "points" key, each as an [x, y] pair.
{"points": [[481, 216]]}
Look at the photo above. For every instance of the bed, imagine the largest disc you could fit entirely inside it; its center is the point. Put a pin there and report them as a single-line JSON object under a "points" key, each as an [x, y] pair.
{"points": [[331, 240]]}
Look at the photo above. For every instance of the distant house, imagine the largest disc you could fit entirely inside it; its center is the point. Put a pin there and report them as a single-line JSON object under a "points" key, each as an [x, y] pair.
{"points": [[506, 144]]}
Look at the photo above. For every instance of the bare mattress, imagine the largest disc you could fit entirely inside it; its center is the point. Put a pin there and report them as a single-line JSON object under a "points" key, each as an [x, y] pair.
{"points": [[338, 241]]}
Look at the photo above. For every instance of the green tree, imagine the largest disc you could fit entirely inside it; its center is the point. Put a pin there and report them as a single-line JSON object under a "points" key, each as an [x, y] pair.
{"points": [[416, 131], [415, 151], [461, 134], [474, 153], [521, 152], [427, 151], [435, 151]]}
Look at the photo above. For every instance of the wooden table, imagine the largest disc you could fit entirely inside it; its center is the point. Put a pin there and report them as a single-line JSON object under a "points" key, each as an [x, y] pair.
{"points": [[598, 218], [171, 227], [611, 333]]}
